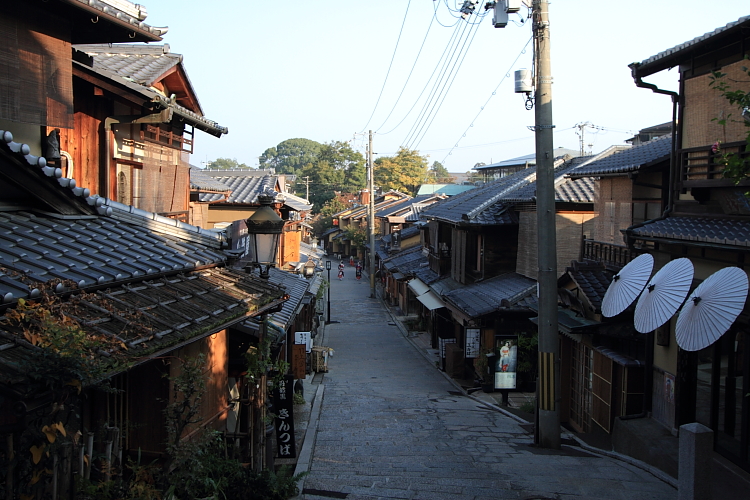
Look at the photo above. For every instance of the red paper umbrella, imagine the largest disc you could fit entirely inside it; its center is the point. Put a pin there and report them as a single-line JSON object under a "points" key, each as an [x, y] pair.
{"points": [[626, 285], [663, 295], [711, 309]]}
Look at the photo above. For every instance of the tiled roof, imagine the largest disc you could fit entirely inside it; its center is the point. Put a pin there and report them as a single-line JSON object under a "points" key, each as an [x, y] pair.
{"points": [[102, 242], [725, 232], [296, 203], [203, 182], [89, 250], [467, 206], [671, 57], [245, 188], [143, 64], [627, 160], [148, 318], [159, 100], [490, 204], [487, 296], [446, 189], [296, 286], [120, 13], [566, 190], [592, 279], [407, 261], [427, 275], [529, 159]]}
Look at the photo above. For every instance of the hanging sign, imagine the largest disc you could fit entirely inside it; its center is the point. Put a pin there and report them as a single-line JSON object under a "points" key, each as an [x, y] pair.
{"points": [[283, 403], [472, 342]]}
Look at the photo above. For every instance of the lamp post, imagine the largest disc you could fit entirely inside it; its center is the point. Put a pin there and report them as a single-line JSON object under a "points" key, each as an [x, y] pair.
{"points": [[328, 268], [264, 230]]}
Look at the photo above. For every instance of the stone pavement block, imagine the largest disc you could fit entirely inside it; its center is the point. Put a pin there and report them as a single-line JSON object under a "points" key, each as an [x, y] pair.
{"points": [[393, 426]]}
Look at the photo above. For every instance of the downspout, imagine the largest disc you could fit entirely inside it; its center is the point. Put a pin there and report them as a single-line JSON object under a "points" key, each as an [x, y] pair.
{"points": [[108, 122], [672, 153], [629, 239]]}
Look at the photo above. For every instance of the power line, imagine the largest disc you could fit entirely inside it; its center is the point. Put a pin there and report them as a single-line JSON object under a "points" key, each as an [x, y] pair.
{"points": [[453, 79], [432, 20], [395, 49], [507, 74], [427, 83], [440, 79]]}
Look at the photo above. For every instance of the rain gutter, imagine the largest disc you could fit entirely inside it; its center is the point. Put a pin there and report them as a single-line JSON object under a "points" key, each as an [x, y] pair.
{"points": [[629, 238]]}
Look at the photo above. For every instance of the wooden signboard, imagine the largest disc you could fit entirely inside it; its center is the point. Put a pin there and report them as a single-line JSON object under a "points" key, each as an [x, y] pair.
{"points": [[299, 361]]}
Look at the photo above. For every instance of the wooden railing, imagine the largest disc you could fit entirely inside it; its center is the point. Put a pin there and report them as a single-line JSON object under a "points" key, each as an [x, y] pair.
{"points": [[703, 166], [440, 264], [613, 256], [182, 216]]}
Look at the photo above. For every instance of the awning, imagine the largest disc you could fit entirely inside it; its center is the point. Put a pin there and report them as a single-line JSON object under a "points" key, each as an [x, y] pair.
{"points": [[431, 301], [418, 287]]}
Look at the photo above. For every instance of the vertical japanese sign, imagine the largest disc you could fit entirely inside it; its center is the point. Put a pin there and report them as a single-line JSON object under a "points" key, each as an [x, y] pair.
{"points": [[472, 342], [283, 405], [506, 347], [442, 346], [299, 361]]}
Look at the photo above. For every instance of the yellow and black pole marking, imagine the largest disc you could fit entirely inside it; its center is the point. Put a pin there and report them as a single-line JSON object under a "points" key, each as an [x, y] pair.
{"points": [[547, 381]]}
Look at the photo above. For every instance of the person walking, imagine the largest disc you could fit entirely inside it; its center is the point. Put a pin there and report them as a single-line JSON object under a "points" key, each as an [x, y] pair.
{"points": [[341, 270]]}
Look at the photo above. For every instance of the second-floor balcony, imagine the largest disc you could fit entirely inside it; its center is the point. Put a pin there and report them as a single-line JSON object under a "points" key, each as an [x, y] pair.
{"points": [[704, 166], [440, 262], [614, 257]]}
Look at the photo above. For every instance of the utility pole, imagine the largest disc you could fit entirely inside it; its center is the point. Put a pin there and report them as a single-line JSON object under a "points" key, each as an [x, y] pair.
{"points": [[371, 216], [307, 187], [548, 407]]}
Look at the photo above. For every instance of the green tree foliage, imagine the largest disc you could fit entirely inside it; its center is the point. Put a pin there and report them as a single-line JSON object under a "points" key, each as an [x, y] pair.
{"points": [[440, 175], [325, 218], [336, 168], [290, 155], [736, 166], [404, 172], [227, 164]]}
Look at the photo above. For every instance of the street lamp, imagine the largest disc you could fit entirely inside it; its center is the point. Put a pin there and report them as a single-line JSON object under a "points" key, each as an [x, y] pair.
{"points": [[328, 268], [264, 229]]}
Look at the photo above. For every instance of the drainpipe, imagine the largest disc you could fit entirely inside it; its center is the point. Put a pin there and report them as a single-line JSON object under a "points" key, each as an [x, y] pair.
{"points": [[672, 153], [649, 368]]}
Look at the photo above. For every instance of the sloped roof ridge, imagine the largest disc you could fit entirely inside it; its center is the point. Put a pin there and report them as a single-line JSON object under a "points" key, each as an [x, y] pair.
{"points": [[200, 122], [626, 159], [110, 208], [523, 181], [159, 223], [110, 9], [687, 45], [200, 181]]}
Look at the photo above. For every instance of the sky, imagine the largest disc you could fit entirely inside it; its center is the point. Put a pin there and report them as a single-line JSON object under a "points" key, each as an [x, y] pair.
{"points": [[333, 71]]}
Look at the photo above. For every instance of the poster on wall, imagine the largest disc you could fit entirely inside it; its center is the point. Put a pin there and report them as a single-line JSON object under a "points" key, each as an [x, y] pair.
{"points": [[506, 361], [472, 342]]}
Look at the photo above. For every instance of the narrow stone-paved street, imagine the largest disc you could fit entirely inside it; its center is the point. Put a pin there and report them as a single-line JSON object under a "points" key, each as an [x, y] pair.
{"points": [[392, 426]]}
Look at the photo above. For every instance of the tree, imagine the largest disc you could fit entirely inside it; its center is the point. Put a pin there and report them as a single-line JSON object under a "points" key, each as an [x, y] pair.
{"points": [[227, 164], [404, 172], [290, 155], [440, 174], [324, 220]]}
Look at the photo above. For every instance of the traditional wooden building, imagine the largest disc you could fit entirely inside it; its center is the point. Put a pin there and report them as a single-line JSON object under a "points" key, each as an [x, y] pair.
{"points": [[706, 218]]}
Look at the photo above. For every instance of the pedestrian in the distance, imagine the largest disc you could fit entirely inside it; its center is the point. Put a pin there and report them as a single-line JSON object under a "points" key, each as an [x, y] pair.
{"points": [[341, 274]]}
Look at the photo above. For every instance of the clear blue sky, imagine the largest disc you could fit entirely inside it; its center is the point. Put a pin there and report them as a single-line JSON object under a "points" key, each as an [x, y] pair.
{"points": [[272, 71]]}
